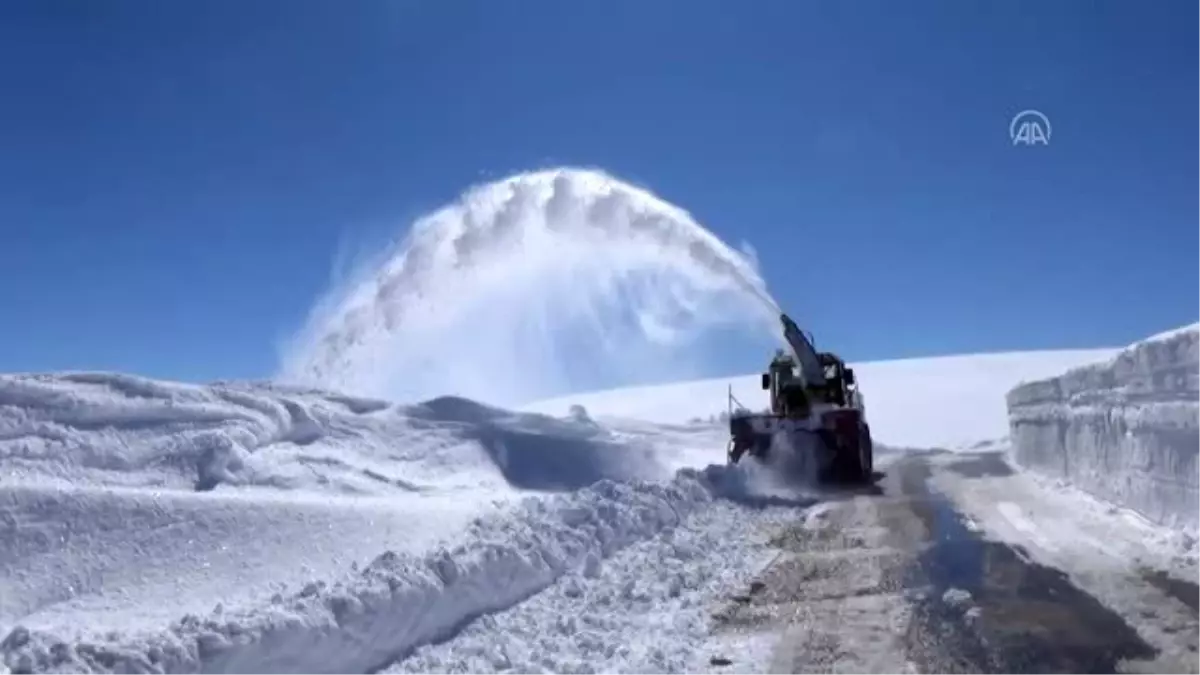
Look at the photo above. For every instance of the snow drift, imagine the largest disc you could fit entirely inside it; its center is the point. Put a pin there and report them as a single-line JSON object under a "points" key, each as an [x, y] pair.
{"points": [[161, 526], [112, 429], [1124, 430], [373, 616]]}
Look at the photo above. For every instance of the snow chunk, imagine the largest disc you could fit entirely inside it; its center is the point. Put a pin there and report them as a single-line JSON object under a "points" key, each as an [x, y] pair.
{"points": [[1125, 430], [957, 598]]}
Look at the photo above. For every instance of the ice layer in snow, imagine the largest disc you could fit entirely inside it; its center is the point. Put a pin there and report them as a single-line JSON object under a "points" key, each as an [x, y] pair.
{"points": [[1124, 429]]}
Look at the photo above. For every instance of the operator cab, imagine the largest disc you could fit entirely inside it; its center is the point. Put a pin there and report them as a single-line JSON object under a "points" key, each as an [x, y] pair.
{"points": [[788, 395], [792, 397], [840, 384]]}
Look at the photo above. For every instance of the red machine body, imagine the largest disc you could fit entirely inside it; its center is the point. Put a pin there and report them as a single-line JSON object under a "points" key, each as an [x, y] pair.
{"points": [[815, 406]]}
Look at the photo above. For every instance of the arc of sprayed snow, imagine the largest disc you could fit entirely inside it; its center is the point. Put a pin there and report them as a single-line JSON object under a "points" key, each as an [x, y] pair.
{"points": [[572, 220]]}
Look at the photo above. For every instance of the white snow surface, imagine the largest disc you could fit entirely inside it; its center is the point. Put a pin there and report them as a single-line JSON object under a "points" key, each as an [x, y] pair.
{"points": [[952, 402], [251, 527], [130, 507], [657, 594], [150, 525], [370, 616], [1126, 430]]}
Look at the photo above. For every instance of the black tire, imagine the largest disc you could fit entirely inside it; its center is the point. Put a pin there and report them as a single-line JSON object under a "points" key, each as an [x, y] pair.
{"points": [[866, 454], [845, 467]]}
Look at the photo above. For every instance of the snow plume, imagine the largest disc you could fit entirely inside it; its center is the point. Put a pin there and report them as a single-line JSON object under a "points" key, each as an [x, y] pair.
{"points": [[532, 286]]}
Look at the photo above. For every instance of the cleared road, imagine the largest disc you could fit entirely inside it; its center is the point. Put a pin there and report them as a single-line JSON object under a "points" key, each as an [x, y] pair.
{"points": [[902, 577]]}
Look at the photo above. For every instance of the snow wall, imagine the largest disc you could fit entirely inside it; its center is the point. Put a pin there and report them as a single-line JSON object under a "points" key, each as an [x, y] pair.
{"points": [[1124, 430]]}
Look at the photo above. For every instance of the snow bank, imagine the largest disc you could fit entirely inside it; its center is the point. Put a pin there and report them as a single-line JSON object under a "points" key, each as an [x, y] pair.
{"points": [[537, 452], [396, 603], [112, 429], [1124, 430], [648, 609], [159, 526], [128, 502], [103, 558]]}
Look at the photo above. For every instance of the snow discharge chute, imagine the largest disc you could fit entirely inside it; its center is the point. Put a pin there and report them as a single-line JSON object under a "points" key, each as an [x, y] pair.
{"points": [[532, 286], [810, 362]]}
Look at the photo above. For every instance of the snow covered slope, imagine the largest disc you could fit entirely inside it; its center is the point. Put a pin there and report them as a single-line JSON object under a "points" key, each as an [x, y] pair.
{"points": [[149, 525], [950, 401], [1125, 429]]}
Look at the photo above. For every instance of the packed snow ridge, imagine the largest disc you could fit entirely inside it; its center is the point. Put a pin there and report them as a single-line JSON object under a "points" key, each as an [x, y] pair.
{"points": [[1125, 430]]}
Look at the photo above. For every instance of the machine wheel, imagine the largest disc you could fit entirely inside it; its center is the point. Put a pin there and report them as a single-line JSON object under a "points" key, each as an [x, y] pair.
{"points": [[845, 466], [866, 457]]}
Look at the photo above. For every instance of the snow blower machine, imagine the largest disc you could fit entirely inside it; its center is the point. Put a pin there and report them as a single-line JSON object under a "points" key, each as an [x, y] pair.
{"points": [[816, 409]]}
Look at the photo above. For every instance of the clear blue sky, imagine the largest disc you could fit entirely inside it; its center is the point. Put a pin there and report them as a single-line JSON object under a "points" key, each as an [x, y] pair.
{"points": [[175, 177]]}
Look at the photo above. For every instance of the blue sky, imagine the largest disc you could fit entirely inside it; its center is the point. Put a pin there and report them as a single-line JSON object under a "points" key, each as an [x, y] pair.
{"points": [[176, 177]]}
